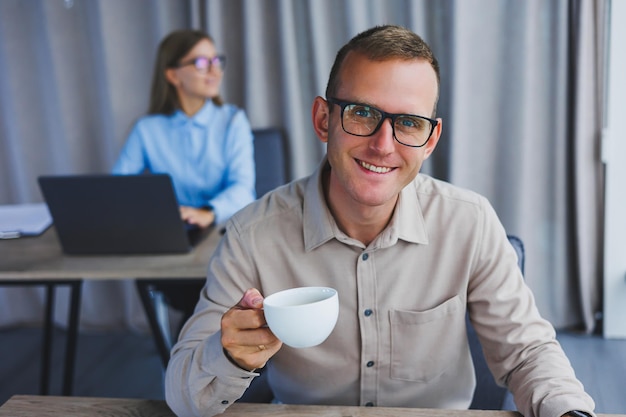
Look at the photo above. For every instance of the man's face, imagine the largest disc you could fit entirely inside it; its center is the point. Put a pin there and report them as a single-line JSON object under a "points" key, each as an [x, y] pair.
{"points": [[371, 171]]}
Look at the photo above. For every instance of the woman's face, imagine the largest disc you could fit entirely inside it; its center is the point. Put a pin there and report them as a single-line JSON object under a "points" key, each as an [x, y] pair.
{"points": [[199, 75]]}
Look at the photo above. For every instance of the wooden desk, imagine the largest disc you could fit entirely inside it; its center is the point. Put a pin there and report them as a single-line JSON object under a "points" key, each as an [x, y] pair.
{"points": [[27, 405], [30, 405], [40, 261], [41, 258]]}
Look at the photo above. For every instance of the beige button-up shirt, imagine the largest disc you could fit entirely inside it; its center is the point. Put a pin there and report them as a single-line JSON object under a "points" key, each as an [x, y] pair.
{"points": [[400, 339]]}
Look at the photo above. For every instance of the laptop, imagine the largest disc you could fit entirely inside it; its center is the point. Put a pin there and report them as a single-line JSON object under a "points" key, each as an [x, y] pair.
{"points": [[117, 214]]}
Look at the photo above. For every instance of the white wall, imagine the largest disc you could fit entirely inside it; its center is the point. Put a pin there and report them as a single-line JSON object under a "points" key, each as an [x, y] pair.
{"points": [[614, 151]]}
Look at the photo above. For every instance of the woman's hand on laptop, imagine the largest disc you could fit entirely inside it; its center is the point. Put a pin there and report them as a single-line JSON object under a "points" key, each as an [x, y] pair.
{"points": [[200, 217]]}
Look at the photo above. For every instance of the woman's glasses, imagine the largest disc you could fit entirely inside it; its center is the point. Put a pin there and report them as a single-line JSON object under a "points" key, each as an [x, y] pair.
{"points": [[204, 64]]}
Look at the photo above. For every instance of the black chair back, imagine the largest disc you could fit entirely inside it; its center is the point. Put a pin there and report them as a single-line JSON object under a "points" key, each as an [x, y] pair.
{"points": [[270, 158]]}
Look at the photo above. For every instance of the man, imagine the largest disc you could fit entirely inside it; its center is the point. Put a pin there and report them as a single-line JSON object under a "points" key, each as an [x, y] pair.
{"points": [[408, 254]]}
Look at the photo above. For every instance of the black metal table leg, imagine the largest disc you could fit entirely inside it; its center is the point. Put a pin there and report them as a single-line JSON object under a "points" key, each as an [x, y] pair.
{"points": [[143, 288], [46, 351], [72, 336]]}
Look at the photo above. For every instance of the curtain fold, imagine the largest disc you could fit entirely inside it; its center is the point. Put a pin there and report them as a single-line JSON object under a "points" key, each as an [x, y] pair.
{"points": [[587, 169], [517, 138], [519, 98]]}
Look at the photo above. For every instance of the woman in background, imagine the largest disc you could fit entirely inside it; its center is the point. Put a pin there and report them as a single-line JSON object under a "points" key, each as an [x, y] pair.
{"points": [[205, 145]]}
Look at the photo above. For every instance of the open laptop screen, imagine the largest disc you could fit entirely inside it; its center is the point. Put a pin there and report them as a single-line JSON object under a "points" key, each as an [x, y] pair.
{"points": [[115, 214]]}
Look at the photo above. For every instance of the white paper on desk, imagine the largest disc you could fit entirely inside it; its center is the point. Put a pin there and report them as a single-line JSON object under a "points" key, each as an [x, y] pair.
{"points": [[24, 219]]}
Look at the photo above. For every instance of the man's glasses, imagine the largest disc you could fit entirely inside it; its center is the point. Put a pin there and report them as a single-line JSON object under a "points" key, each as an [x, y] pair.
{"points": [[363, 120], [204, 64]]}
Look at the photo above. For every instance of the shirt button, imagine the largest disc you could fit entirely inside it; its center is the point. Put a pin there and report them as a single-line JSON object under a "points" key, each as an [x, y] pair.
{"points": [[369, 404], [224, 402], [370, 364], [365, 256], [368, 312]]}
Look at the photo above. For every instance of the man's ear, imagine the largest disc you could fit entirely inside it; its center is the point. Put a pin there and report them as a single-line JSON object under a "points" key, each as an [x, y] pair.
{"points": [[434, 139], [320, 114]]}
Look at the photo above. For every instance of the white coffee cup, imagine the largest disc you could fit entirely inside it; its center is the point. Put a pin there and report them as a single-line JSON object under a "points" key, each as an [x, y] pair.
{"points": [[302, 317]]}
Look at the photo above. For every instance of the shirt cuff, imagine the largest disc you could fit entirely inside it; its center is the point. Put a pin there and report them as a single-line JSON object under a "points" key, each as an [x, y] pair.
{"points": [[577, 413], [219, 364]]}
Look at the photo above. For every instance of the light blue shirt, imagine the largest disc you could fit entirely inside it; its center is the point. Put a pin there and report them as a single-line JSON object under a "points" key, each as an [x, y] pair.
{"points": [[210, 156]]}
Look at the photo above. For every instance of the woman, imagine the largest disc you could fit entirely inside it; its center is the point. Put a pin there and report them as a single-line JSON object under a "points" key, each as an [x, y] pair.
{"points": [[205, 145]]}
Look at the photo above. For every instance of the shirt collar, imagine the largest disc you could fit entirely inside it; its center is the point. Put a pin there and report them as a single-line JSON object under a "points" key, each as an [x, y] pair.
{"points": [[318, 221], [201, 118], [407, 222]]}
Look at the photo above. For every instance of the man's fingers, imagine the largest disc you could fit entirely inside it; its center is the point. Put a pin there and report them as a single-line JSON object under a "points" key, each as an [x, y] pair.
{"points": [[247, 341], [239, 318], [245, 336], [252, 298]]}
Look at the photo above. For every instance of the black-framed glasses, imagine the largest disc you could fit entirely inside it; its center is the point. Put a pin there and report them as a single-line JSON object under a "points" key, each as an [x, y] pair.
{"points": [[363, 120], [204, 63]]}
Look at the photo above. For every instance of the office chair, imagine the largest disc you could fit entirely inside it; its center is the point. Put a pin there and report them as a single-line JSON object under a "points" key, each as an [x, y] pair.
{"points": [[271, 160]]}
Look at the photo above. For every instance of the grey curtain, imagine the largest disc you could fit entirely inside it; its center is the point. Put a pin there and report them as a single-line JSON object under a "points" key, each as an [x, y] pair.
{"points": [[520, 98]]}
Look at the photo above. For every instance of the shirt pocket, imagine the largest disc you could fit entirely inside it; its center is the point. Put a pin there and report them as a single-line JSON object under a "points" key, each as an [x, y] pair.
{"points": [[424, 343]]}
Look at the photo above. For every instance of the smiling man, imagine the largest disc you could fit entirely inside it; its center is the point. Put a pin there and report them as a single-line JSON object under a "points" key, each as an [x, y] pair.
{"points": [[375, 155], [408, 254]]}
